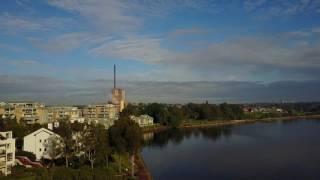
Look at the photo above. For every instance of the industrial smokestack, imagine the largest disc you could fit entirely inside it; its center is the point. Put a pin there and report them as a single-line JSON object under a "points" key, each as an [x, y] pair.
{"points": [[114, 76]]}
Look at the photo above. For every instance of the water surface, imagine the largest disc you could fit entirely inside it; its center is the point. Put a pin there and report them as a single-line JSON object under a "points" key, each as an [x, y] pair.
{"points": [[278, 150]]}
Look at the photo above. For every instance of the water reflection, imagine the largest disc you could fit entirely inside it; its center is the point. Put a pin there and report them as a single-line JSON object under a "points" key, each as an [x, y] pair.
{"points": [[176, 136], [269, 150]]}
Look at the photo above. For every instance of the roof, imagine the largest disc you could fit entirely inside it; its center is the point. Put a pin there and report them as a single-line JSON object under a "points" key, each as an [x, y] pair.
{"points": [[41, 130]]}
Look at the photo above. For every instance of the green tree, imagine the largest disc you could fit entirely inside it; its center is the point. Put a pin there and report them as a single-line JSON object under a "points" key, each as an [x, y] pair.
{"points": [[90, 143], [103, 149], [175, 116], [54, 148], [66, 133], [126, 136]]}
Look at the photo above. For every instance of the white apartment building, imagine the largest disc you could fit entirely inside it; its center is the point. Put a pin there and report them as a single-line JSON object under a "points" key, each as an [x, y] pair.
{"points": [[7, 152], [143, 120], [37, 142]]}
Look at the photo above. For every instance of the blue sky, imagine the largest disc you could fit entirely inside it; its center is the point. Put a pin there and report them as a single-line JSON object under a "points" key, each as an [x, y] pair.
{"points": [[76, 41]]}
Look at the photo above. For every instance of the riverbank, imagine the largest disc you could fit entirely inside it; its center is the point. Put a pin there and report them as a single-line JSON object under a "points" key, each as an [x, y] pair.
{"points": [[143, 172], [201, 123]]}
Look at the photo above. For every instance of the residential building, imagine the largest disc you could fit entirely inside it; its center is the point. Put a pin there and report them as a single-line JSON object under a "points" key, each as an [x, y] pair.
{"points": [[26, 112], [7, 152], [143, 120], [63, 113], [105, 114], [7, 111], [38, 143]]}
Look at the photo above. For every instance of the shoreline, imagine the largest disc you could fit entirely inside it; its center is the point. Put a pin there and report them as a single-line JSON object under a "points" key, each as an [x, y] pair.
{"points": [[143, 172], [201, 123]]}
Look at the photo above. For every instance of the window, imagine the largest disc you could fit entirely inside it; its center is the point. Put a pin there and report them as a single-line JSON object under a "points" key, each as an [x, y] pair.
{"points": [[45, 149], [40, 149], [40, 140], [9, 156]]}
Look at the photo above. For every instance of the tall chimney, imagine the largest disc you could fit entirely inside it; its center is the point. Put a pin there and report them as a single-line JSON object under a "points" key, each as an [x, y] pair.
{"points": [[114, 76]]}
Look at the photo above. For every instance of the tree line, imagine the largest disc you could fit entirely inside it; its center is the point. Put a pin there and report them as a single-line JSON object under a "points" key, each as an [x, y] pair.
{"points": [[174, 115]]}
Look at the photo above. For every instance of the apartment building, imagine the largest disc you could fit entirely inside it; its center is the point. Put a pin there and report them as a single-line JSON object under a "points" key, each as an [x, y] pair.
{"points": [[25, 112], [105, 114], [63, 113], [7, 152], [7, 111]]}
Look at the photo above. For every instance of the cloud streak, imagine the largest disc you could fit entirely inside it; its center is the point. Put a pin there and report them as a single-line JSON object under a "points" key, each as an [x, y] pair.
{"points": [[14, 24], [55, 91]]}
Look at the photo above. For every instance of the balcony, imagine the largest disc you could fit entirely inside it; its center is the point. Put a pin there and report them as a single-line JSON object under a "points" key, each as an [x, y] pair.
{"points": [[2, 163], [3, 152]]}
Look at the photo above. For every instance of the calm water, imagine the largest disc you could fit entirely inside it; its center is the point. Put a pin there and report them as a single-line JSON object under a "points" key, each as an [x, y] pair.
{"points": [[278, 150]]}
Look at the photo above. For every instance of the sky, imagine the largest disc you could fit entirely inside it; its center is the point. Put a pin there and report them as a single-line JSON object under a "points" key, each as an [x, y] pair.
{"points": [[170, 51]]}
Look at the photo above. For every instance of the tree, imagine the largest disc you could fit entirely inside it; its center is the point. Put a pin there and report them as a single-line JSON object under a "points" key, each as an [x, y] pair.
{"points": [[126, 136], [54, 148], [158, 112], [131, 109], [117, 140], [175, 117], [64, 130], [90, 143], [103, 149]]}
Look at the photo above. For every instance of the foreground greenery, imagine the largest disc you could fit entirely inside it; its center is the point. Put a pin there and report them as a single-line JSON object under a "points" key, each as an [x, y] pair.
{"points": [[89, 151]]}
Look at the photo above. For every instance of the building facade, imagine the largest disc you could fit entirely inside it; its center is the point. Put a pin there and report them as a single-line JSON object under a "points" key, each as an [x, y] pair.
{"points": [[104, 114], [7, 111], [118, 98], [7, 152], [143, 120], [25, 112], [63, 113], [37, 143]]}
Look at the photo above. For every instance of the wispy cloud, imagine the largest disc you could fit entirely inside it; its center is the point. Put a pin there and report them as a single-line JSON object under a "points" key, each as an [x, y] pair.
{"points": [[12, 48], [134, 48], [250, 5], [279, 8], [188, 31], [61, 43], [17, 24], [255, 55], [299, 34], [109, 15]]}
